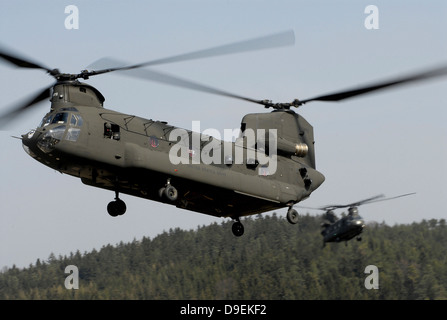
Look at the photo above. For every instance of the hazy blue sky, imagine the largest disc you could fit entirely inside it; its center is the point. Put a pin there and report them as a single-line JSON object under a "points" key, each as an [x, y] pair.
{"points": [[392, 142]]}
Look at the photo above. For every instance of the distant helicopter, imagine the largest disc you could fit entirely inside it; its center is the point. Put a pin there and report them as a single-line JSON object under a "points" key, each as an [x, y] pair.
{"points": [[128, 154], [349, 226]]}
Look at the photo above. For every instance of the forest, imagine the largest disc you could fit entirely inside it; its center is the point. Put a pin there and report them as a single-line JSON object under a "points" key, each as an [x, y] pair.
{"points": [[273, 260]]}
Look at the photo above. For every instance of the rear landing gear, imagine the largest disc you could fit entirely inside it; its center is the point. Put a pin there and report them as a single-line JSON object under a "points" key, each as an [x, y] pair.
{"points": [[117, 207], [237, 228], [168, 191]]}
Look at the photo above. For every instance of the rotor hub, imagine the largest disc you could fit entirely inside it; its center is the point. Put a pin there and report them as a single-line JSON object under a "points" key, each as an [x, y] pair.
{"points": [[281, 105]]}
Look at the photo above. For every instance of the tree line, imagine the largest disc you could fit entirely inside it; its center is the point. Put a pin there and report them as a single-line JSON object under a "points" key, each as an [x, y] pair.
{"points": [[272, 260]]}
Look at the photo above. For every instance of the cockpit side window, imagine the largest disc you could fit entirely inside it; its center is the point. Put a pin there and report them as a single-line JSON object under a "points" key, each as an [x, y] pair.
{"points": [[76, 120], [80, 121], [74, 130], [73, 120], [46, 121]]}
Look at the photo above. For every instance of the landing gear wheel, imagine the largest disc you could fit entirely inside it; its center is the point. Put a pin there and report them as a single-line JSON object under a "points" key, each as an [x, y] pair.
{"points": [[292, 216], [116, 208], [359, 238], [237, 228], [170, 192]]}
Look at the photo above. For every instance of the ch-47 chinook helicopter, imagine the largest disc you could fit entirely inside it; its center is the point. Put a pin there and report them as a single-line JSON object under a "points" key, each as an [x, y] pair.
{"points": [[350, 225], [131, 155]]}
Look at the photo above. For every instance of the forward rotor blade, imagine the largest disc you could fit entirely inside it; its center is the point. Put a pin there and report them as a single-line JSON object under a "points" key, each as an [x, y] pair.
{"points": [[151, 75], [338, 96], [16, 111], [272, 41], [20, 62]]}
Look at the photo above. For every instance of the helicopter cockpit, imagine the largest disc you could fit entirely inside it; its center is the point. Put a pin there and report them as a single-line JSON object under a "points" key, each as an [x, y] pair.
{"points": [[65, 124], [354, 217]]}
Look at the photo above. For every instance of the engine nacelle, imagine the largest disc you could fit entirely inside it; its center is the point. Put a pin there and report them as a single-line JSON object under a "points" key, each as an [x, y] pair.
{"points": [[294, 135], [290, 148]]}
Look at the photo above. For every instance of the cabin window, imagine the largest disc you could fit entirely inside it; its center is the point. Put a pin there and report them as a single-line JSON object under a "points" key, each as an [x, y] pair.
{"points": [[111, 131]]}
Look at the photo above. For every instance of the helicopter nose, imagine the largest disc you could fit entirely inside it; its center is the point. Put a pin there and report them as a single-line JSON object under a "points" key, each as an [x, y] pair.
{"points": [[27, 137], [29, 142], [25, 146], [358, 224]]}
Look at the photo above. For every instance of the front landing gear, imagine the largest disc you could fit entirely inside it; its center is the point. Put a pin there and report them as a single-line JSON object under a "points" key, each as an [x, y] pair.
{"points": [[292, 216], [237, 228], [117, 207]]}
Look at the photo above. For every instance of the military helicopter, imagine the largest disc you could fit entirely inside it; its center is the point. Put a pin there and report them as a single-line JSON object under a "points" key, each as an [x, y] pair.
{"points": [[132, 155], [350, 225]]}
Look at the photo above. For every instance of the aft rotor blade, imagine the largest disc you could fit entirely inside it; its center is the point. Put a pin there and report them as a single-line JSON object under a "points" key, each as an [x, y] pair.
{"points": [[281, 39], [391, 198], [358, 203], [19, 109], [338, 96], [377, 198], [19, 61], [156, 76], [339, 206]]}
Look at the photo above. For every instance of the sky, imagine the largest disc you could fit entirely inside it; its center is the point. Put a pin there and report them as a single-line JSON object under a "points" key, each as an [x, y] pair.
{"points": [[392, 142]]}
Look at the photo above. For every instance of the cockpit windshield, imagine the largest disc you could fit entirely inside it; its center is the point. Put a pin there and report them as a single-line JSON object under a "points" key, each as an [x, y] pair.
{"points": [[62, 118], [69, 124], [354, 217], [65, 115]]}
